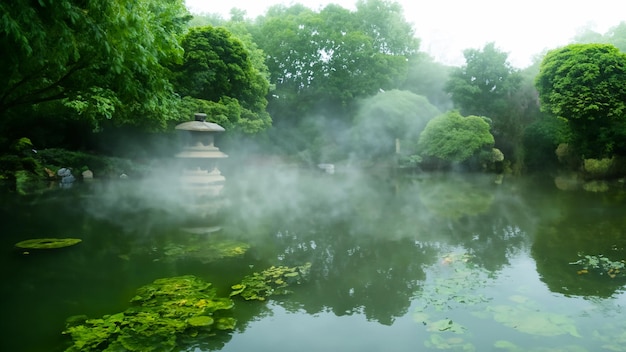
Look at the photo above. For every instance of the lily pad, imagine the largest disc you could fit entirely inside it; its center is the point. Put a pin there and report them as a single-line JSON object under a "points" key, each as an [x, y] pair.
{"points": [[446, 325], [48, 243], [201, 320], [270, 282], [534, 322], [437, 341], [165, 313]]}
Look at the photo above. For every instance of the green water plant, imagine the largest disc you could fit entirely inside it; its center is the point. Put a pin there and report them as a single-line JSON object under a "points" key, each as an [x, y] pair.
{"points": [[601, 265], [270, 282], [206, 251], [47, 243], [163, 314], [534, 322]]}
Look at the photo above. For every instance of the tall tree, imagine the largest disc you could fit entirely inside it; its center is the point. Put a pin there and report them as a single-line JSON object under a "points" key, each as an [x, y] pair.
{"points": [[388, 120], [615, 35], [218, 77], [427, 77], [586, 85], [329, 59], [104, 59], [484, 86]]}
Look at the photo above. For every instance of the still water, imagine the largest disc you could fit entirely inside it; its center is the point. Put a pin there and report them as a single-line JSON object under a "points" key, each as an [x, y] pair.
{"points": [[453, 262]]}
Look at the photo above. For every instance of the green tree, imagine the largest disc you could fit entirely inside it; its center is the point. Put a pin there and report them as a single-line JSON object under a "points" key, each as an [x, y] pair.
{"points": [[428, 78], [540, 141], [452, 137], [219, 78], [485, 86], [586, 85], [388, 119], [330, 58], [615, 35], [106, 60]]}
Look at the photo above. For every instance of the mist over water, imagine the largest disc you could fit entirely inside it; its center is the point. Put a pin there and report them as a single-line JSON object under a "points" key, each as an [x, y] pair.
{"points": [[383, 246]]}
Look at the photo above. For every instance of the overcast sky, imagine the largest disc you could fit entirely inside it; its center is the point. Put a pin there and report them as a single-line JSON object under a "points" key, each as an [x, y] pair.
{"points": [[521, 28]]}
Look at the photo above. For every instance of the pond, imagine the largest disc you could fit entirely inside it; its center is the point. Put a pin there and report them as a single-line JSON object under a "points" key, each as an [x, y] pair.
{"points": [[455, 262]]}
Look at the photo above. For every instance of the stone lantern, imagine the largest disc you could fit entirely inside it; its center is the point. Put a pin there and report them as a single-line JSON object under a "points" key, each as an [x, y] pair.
{"points": [[200, 174]]}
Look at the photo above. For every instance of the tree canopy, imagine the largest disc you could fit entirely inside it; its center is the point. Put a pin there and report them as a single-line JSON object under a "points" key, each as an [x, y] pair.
{"points": [[332, 57], [453, 137], [106, 60], [487, 85], [219, 78], [586, 85], [390, 116]]}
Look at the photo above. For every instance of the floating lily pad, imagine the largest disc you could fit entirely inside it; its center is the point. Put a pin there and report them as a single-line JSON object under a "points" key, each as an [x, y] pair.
{"points": [[202, 320], [165, 313], [534, 322], [48, 243], [437, 341], [446, 325], [270, 282]]}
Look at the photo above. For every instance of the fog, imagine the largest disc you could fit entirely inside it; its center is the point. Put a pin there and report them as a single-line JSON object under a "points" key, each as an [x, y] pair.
{"points": [[448, 27]]}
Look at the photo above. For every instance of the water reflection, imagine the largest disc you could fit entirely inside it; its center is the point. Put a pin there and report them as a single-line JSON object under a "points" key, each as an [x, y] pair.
{"points": [[404, 253], [587, 224]]}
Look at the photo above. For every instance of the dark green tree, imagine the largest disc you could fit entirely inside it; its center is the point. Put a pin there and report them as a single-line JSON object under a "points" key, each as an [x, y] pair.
{"points": [[586, 85], [485, 86], [105, 60], [219, 78]]}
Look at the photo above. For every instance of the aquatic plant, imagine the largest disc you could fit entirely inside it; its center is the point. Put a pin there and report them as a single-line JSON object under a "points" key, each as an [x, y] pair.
{"points": [[601, 265], [47, 243], [163, 313], [204, 250], [270, 282], [528, 319], [453, 343]]}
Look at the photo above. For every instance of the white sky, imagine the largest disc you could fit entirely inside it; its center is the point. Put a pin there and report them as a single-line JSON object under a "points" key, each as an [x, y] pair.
{"points": [[522, 28]]}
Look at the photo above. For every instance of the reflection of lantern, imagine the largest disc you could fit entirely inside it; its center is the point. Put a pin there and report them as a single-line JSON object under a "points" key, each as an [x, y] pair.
{"points": [[200, 172]]}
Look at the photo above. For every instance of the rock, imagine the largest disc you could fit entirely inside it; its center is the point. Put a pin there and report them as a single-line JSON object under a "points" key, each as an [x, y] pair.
{"points": [[64, 172], [328, 168], [87, 174]]}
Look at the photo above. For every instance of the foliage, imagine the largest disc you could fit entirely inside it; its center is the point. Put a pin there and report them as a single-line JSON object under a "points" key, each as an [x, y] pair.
{"points": [[427, 78], [526, 318], [598, 168], [601, 265], [164, 313], [270, 282], [327, 59], [387, 117], [48, 243], [105, 60], [102, 166], [541, 140], [484, 86], [586, 85], [453, 137], [615, 35], [218, 73]]}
